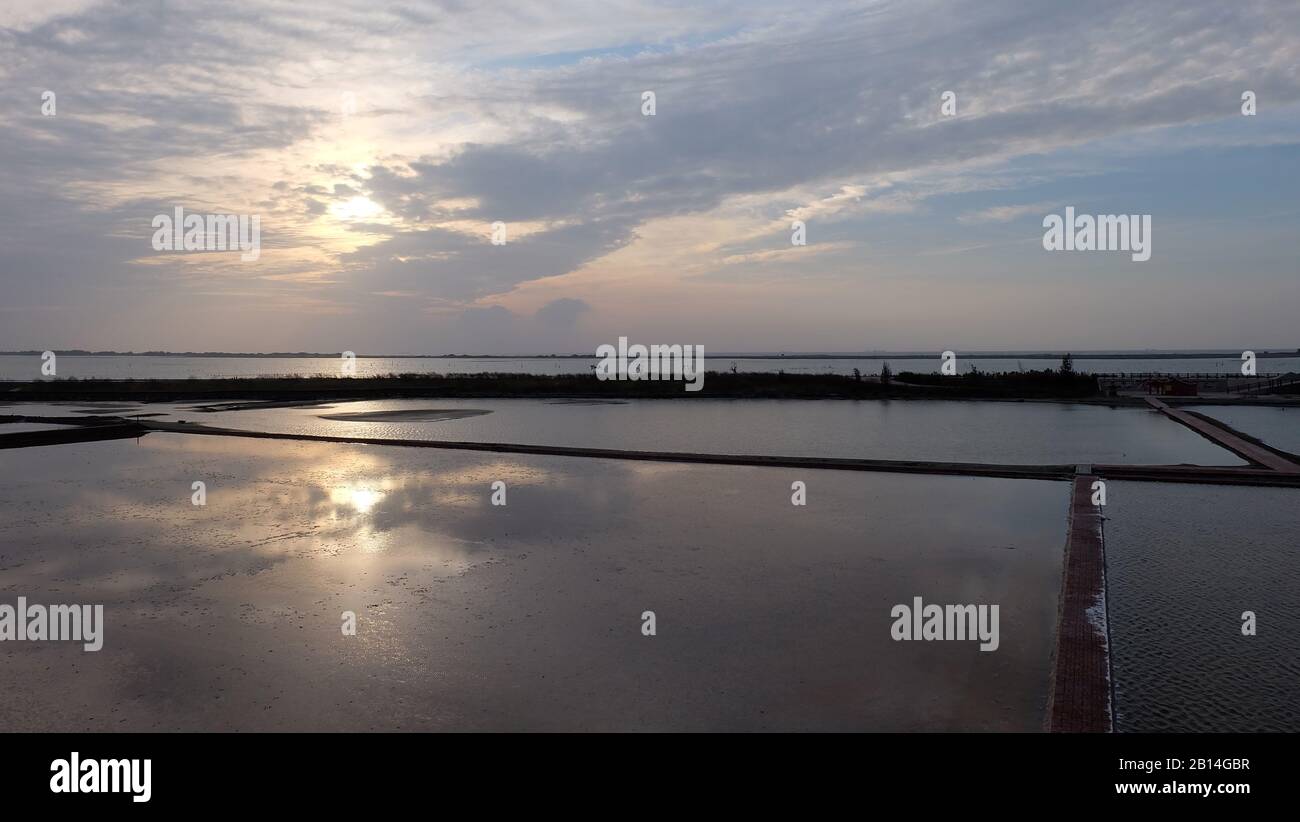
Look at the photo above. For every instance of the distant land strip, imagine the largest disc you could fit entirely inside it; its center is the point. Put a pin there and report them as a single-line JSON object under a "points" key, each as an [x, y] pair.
{"points": [[718, 384], [870, 355], [1011, 386]]}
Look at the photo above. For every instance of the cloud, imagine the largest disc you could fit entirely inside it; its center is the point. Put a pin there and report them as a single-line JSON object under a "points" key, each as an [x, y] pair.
{"points": [[1005, 214], [468, 114], [836, 95], [447, 264], [562, 313]]}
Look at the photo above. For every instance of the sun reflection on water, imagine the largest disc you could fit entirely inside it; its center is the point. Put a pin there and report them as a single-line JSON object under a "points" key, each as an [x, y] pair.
{"points": [[361, 498]]}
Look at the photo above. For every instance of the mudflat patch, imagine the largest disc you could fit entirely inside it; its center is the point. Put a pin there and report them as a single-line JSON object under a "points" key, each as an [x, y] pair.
{"points": [[408, 415]]}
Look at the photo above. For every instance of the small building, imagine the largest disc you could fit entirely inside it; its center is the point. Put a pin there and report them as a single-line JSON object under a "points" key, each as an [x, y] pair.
{"points": [[1170, 387]]}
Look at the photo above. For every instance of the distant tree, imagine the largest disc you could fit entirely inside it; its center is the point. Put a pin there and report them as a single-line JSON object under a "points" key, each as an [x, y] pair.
{"points": [[1067, 366], [886, 374], [857, 375]]}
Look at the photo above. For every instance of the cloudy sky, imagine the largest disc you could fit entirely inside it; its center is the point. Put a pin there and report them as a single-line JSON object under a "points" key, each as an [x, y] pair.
{"points": [[379, 141]]}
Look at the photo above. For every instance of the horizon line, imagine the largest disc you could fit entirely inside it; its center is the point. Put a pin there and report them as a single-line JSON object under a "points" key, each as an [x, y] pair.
{"points": [[1131, 353]]}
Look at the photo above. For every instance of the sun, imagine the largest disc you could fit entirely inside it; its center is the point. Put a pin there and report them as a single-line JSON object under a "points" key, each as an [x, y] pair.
{"points": [[356, 209]]}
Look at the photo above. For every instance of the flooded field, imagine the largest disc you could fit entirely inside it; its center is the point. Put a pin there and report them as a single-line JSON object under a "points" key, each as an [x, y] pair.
{"points": [[996, 432], [227, 616], [1277, 426], [1184, 563]]}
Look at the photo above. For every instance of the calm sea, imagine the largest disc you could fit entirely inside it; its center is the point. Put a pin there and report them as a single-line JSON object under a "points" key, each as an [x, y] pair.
{"points": [[28, 366]]}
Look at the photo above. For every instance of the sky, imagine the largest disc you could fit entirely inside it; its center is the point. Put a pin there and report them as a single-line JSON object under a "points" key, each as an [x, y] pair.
{"points": [[378, 142]]}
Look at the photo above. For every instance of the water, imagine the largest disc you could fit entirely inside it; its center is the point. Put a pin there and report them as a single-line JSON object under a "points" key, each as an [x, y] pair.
{"points": [[1182, 564], [991, 432], [523, 617], [27, 427], [1276, 426], [28, 367]]}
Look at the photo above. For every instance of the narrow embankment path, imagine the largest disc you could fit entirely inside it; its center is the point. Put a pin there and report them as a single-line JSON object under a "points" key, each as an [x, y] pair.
{"points": [[70, 434], [1228, 440], [1053, 472], [1079, 694], [1151, 473]]}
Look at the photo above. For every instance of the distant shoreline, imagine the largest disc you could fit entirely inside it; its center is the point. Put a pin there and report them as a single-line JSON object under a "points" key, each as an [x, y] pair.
{"points": [[1044, 385], [896, 355]]}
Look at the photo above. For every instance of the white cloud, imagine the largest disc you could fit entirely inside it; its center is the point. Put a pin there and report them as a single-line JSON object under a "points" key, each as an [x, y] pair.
{"points": [[1005, 214]]}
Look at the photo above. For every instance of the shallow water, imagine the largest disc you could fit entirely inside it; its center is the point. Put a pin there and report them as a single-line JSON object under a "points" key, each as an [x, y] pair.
{"points": [[527, 616], [1183, 562], [1030, 433], [25, 427], [28, 367], [991, 432], [1275, 425]]}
